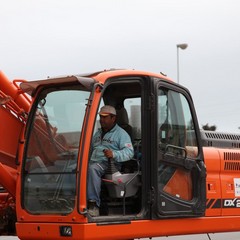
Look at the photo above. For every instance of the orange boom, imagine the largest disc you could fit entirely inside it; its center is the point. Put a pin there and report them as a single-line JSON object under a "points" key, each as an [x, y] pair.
{"points": [[180, 181]]}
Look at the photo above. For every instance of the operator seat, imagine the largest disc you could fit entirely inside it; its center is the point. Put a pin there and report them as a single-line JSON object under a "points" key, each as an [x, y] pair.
{"points": [[123, 121]]}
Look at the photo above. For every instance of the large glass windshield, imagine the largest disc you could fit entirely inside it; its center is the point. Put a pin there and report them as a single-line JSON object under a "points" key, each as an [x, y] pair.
{"points": [[52, 150]]}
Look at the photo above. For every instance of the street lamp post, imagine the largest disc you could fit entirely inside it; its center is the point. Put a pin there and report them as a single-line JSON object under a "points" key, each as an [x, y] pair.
{"points": [[182, 46]]}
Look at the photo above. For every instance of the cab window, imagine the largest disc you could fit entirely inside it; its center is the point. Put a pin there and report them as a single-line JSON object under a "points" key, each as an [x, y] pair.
{"points": [[177, 141]]}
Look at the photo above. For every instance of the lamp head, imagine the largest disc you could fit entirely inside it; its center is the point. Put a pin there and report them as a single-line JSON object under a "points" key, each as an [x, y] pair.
{"points": [[182, 46]]}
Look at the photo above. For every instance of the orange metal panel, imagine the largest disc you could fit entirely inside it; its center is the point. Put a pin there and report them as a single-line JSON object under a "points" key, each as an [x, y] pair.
{"points": [[9, 88], [229, 173], [10, 129], [134, 229], [8, 179], [213, 184], [180, 178]]}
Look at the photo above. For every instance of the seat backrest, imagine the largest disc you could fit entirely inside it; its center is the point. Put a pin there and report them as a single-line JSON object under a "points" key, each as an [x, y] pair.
{"points": [[123, 121]]}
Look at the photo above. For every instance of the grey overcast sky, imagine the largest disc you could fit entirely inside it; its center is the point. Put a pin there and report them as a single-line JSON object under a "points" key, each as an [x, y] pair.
{"points": [[54, 37]]}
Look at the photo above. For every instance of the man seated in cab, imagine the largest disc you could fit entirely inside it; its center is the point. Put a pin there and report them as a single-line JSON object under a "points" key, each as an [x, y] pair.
{"points": [[110, 141]]}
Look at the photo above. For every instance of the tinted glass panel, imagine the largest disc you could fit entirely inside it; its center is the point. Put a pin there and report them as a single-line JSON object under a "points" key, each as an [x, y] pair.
{"points": [[52, 150], [177, 141]]}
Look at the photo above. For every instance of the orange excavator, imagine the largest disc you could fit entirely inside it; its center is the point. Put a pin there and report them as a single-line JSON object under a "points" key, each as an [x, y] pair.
{"points": [[180, 181]]}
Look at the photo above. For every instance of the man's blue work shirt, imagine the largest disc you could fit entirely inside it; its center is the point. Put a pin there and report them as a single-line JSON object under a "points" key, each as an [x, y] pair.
{"points": [[117, 140]]}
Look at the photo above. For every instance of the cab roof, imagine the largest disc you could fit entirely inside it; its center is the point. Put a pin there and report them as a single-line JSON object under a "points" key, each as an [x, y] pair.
{"points": [[86, 79]]}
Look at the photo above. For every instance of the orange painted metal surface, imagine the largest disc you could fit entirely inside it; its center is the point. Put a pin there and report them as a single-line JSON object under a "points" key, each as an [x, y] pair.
{"points": [[213, 185], [11, 89], [13, 107], [180, 178], [219, 181], [135, 229], [43, 226]]}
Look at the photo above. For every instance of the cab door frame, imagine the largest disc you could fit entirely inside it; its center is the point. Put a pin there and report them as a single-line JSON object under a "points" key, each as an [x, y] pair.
{"points": [[176, 165]]}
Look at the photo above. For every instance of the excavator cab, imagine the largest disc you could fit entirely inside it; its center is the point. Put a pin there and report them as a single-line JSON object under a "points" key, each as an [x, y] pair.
{"points": [[165, 179], [47, 128]]}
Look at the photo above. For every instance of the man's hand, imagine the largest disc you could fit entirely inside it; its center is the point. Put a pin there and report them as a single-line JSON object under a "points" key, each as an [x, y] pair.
{"points": [[108, 153]]}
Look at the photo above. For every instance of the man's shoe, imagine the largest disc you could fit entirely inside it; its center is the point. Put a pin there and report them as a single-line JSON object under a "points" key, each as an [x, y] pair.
{"points": [[93, 209]]}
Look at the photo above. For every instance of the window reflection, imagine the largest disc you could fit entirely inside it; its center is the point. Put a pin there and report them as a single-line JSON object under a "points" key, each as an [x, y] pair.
{"points": [[177, 141], [52, 150]]}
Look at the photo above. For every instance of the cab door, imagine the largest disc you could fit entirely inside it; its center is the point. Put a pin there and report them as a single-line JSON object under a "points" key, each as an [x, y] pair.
{"points": [[178, 170]]}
